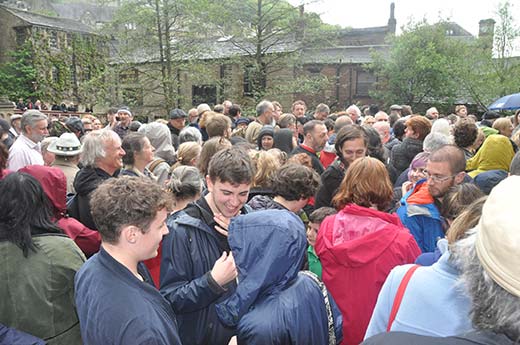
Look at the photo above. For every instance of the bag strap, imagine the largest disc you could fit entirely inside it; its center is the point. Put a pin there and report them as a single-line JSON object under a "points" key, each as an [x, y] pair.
{"points": [[155, 163], [399, 295], [330, 317]]}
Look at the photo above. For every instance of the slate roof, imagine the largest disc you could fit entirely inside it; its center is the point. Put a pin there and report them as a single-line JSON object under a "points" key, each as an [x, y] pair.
{"points": [[62, 24], [346, 54]]}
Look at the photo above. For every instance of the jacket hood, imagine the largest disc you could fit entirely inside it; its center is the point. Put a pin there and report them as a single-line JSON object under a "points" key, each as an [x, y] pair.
{"points": [[360, 234], [283, 140], [268, 248], [496, 153], [161, 139], [54, 184]]}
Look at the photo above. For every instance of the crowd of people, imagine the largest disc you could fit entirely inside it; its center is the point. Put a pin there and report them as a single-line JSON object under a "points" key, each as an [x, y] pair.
{"points": [[298, 227]]}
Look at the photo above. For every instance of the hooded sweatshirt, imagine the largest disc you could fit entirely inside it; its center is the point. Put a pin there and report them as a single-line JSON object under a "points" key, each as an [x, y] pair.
{"points": [[358, 247], [54, 185], [274, 303]]}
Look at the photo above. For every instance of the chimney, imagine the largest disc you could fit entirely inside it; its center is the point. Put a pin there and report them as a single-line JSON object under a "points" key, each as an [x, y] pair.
{"points": [[392, 23], [486, 28]]}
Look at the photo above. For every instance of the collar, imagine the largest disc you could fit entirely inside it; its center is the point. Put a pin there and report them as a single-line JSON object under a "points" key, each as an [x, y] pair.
{"points": [[29, 142], [307, 148]]}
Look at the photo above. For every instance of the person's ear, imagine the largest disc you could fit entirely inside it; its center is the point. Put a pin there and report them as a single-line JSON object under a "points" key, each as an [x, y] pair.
{"points": [[209, 184], [459, 178], [129, 234]]}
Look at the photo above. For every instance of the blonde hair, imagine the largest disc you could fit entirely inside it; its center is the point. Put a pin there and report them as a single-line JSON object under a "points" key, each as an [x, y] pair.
{"points": [[186, 153], [266, 164]]}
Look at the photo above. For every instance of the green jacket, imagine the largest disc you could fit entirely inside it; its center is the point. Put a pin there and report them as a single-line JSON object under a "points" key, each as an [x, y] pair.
{"points": [[38, 291], [314, 262]]}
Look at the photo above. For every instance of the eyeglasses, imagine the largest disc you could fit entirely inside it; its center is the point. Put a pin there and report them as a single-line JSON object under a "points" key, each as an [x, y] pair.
{"points": [[439, 178]]}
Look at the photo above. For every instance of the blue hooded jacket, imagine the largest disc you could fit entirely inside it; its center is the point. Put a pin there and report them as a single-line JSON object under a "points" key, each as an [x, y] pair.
{"points": [[273, 303]]}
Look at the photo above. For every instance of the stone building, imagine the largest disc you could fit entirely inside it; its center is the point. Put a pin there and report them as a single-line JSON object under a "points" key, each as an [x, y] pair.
{"points": [[65, 53]]}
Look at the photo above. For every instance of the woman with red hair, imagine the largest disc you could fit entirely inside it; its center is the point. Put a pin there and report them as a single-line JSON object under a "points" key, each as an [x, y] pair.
{"points": [[360, 244]]}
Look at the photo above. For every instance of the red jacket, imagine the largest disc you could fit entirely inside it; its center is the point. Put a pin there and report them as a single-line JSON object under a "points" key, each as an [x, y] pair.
{"points": [[357, 248], [54, 185]]}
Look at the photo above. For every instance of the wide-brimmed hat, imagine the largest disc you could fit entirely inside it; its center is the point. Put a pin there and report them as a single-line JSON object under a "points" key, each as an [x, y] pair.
{"points": [[66, 145], [15, 117]]}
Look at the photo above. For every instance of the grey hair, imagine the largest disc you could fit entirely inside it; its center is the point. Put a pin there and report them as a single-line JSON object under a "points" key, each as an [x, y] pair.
{"points": [[262, 107], [94, 146], [46, 142], [322, 108], [436, 140], [493, 308], [185, 182], [355, 108], [30, 117], [190, 134]]}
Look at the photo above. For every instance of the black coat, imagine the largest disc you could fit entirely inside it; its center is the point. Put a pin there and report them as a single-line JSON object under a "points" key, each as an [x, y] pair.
{"points": [[86, 181], [316, 164], [330, 182], [402, 155]]}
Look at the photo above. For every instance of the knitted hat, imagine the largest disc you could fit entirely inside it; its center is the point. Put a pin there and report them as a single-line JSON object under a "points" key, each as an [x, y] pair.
{"points": [[498, 237]]}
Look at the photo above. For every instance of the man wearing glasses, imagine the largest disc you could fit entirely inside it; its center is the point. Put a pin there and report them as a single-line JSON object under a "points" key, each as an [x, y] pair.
{"points": [[419, 209]]}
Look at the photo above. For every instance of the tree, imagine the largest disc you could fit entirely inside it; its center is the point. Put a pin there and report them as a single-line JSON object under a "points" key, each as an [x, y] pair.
{"points": [[268, 37], [18, 75], [164, 34], [417, 67], [425, 65]]}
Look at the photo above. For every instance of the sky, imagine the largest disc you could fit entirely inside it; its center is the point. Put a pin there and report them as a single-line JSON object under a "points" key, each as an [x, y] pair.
{"points": [[367, 13]]}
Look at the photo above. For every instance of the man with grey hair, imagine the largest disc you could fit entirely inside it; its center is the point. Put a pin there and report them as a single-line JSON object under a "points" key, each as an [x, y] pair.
{"points": [[322, 112], [490, 267], [355, 113], [432, 113], [102, 157], [26, 150], [264, 116]]}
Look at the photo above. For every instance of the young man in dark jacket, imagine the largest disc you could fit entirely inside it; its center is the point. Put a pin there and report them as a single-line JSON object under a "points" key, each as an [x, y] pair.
{"points": [[116, 300], [197, 267]]}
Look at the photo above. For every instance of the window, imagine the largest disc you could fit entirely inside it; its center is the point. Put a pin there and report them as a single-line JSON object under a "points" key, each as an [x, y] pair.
{"points": [[364, 82], [21, 36], [204, 94], [252, 78], [55, 74], [53, 39], [129, 76], [72, 76]]}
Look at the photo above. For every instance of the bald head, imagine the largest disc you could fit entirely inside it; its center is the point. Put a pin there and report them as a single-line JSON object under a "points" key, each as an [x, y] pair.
{"points": [[383, 128]]}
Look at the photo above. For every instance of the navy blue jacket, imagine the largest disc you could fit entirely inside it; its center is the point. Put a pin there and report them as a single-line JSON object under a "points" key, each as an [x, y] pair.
{"points": [[114, 307], [274, 303], [188, 254]]}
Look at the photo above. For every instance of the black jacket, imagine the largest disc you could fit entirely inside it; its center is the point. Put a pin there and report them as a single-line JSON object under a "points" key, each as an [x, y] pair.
{"points": [[402, 155], [330, 182], [86, 181], [316, 164]]}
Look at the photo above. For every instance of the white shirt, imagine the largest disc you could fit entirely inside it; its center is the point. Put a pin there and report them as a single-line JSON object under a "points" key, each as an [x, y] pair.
{"points": [[24, 152]]}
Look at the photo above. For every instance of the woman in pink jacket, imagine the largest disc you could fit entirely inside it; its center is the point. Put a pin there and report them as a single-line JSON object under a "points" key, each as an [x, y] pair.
{"points": [[360, 244]]}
